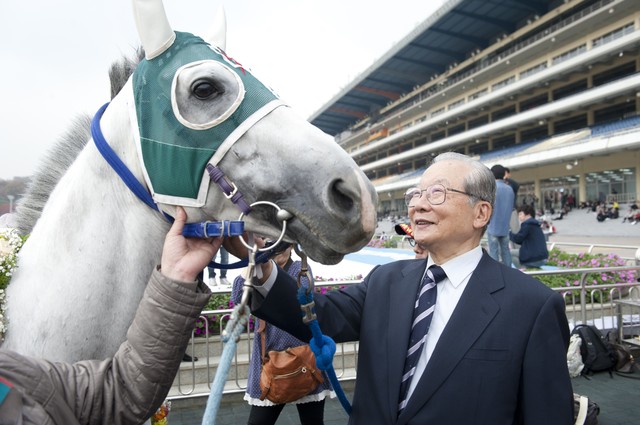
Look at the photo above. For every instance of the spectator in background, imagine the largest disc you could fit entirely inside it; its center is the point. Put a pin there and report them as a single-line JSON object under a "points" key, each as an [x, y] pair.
{"points": [[533, 251], [499, 227], [406, 230], [513, 184], [224, 259], [601, 212], [615, 210], [514, 224], [633, 209]]}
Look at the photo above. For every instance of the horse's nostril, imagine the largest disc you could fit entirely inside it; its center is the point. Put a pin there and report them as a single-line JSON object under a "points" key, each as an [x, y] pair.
{"points": [[341, 196]]}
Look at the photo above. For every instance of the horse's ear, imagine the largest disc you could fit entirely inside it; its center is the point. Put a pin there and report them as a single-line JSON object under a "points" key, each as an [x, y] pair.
{"points": [[153, 26], [218, 34]]}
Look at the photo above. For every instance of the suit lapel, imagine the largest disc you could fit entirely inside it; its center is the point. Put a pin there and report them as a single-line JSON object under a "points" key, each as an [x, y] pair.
{"points": [[402, 298], [472, 315]]}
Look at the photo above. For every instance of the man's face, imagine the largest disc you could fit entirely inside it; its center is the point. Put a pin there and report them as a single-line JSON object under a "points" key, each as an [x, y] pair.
{"points": [[455, 226]]}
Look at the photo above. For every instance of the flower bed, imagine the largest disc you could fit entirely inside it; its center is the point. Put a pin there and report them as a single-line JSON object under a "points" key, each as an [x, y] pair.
{"points": [[10, 244], [582, 261], [211, 323]]}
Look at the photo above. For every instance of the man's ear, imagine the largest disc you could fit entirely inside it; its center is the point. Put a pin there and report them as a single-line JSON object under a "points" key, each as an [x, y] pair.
{"points": [[482, 214]]}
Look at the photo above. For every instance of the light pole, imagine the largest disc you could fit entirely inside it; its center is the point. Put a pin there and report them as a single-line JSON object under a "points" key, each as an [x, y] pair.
{"points": [[11, 197]]}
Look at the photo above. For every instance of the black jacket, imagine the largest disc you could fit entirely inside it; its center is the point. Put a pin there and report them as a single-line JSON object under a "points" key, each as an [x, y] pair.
{"points": [[531, 238]]}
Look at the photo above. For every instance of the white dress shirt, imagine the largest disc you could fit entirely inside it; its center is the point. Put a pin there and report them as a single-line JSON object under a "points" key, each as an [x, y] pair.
{"points": [[450, 290]]}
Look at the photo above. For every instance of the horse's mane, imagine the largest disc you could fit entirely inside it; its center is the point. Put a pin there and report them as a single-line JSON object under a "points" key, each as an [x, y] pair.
{"points": [[66, 149]]}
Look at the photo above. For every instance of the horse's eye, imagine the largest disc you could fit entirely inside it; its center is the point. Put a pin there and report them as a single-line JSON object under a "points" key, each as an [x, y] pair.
{"points": [[204, 90]]}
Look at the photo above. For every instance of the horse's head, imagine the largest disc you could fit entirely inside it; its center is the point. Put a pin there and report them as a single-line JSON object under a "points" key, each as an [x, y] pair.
{"points": [[197, 108]]}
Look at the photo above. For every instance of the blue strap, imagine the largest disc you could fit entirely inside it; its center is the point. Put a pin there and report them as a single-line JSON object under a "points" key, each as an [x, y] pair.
{"points": [[323, 347], [116, 163], [261, 257], [208, 229]]}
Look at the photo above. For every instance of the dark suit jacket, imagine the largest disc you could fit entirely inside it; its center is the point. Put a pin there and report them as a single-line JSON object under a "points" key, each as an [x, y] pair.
{"points": [[501, 359]]}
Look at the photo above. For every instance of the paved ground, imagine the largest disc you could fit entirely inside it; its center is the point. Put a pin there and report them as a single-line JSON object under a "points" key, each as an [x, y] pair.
{"points": [[235, 411], [617, 396]]}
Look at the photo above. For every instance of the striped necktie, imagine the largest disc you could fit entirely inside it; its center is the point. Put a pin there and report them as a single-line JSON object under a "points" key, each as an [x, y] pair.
{"points": [[422, 314]]}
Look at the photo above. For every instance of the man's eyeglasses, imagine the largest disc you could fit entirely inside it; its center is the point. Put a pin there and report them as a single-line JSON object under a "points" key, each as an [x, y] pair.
{"points": [[436, 194]]}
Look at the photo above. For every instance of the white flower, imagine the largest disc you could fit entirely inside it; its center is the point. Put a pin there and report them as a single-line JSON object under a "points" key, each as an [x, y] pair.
{"points": [[10, 244], [5, 247]]}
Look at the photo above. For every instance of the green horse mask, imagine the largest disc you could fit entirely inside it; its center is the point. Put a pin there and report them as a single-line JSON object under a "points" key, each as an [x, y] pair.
{"points": [[174, 151]]}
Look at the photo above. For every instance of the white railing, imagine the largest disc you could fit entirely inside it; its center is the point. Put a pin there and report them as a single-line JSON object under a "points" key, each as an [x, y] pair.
{"points": [[626, 252]]}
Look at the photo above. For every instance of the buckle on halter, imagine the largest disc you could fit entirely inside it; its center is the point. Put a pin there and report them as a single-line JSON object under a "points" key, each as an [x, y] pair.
{"points": [[234, 190], [205, 225], [308, 314]]}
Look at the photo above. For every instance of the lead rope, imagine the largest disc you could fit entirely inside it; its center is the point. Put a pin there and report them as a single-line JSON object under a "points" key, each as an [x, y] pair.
{"points": [[230, 336], [323, 347]]}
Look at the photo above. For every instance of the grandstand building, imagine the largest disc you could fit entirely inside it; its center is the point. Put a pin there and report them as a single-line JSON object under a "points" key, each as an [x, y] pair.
{"points": [[548, 88]]}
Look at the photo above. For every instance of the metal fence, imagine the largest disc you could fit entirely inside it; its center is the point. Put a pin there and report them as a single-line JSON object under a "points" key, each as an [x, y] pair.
{"points": [[585, 303]]}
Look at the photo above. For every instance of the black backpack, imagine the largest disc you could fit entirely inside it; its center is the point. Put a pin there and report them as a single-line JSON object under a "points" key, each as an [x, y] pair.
{"points": [[597, 353]]}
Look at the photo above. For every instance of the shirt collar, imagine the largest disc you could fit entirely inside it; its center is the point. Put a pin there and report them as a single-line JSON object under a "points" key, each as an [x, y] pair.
{"points": [[460, 268]]}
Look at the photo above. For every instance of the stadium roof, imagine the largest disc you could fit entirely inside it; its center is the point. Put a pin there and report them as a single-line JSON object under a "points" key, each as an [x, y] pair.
{"points": [[449, 36]]}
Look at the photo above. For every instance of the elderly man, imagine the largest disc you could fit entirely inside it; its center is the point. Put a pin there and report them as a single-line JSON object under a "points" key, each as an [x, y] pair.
{"points": [[492, 342]]}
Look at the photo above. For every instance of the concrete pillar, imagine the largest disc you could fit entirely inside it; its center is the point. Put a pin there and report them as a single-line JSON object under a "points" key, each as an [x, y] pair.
{"points": [[582, 189]]}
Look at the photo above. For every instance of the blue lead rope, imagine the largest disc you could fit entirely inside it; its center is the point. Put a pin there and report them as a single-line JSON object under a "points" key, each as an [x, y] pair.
{"points": [[323, 347], [232, 333]]}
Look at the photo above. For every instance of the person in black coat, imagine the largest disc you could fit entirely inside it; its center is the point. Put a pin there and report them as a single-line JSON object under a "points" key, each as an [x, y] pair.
{"points": [[496, 349], [533, 251]]}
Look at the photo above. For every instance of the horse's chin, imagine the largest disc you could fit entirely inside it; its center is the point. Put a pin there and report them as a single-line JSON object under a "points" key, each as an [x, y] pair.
{"points": [[313, 244], [321, 254]]}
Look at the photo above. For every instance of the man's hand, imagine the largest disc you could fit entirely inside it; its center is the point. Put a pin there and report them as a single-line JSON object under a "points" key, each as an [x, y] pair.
{"points": [[183, 258]]}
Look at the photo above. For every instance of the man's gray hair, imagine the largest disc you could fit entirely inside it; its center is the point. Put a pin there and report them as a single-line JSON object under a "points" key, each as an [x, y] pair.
{"points": [[480, 181]]}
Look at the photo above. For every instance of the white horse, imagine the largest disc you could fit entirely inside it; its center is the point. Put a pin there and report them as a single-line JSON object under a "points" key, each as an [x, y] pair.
{"points": [[84, 267]]}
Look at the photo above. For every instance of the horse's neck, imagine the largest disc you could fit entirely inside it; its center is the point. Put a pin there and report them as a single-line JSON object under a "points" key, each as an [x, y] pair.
{"points": [[94, 220], [86, 262]]}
